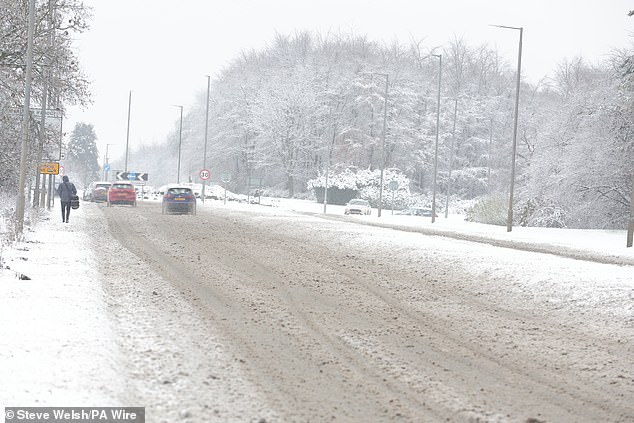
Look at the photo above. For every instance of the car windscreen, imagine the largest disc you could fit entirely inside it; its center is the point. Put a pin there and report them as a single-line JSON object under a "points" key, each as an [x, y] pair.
{"points": [[122, 186], [179, 191]]}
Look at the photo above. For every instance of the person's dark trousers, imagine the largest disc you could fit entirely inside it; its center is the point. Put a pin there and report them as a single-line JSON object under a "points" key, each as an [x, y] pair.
{"points": [[65, 211]]}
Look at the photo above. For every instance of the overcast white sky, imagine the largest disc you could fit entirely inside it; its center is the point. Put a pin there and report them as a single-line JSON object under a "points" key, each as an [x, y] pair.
{"points": [[162, 50]]}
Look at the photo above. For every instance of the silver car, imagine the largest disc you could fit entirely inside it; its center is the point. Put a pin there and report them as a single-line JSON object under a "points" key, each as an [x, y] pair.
{"points": [[358, 206]]}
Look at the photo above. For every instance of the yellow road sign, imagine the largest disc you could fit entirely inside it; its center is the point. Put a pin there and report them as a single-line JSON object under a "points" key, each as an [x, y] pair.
{"points": [[49, 168]]}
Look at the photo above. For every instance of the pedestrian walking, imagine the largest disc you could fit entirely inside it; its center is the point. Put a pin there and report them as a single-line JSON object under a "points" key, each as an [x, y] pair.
{"points": [[66, 190]]}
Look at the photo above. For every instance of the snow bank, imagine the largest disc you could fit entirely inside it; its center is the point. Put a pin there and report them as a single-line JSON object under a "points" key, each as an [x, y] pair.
{"points": [[55, 336]]}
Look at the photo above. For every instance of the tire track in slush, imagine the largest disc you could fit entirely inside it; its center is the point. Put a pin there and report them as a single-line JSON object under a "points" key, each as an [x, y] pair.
{"points": [[535, 381], [221, 304], [247, 269]]}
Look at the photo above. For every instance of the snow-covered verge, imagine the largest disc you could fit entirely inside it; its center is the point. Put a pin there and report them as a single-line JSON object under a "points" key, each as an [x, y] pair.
{"points": [[56, 338], [604, 246]]}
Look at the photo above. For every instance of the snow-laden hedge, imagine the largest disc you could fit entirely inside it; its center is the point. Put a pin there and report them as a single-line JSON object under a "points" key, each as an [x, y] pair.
{"points": [[542, 213], [491, 210], [363, 183]]}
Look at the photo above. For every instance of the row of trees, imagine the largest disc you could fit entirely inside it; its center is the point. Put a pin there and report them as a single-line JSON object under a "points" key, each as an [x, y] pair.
{"points": [[57, 80], [309, 103]]}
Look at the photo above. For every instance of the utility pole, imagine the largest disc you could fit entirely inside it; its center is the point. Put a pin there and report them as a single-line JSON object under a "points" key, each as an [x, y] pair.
{"points": [[127, 137], [453, 136], [206, 132], [509, 223], [39, 195], [40, 147], [180, 143], [490, 152], [433, 199], [383, 145], [19, 210], [509, 220], [334, 134], [36, 194], [630, 225]]}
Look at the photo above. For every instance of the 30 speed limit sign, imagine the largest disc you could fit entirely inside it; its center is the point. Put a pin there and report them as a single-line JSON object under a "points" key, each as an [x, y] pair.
{"points": [[205, 174]]}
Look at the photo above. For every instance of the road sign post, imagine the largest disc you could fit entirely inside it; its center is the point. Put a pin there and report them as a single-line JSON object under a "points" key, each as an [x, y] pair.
{"points": [[204, 175]]}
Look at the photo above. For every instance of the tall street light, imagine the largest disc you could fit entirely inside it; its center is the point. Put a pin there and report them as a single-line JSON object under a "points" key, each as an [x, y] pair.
{"points": [[383, 141], [127, 136], [453, 138], [630, 224], [433, 200], [180, 143], [206, 132], [509, 221], [106, 162]]}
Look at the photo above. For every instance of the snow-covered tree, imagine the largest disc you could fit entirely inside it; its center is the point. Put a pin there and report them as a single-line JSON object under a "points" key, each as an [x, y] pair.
{"points": [[55, 67], [83, 154]]}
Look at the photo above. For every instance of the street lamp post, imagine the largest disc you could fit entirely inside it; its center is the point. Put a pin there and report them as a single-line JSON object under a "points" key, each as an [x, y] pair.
{"points": [[453, 137], [387, 77], [206, 132], [106, 161], [509, 221], [433, 200], [329, 159], [180, 143], [127, 137]]}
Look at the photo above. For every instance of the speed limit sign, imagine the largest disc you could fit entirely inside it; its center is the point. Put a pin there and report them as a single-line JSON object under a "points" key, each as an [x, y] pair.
{"points": [[205, 174]]}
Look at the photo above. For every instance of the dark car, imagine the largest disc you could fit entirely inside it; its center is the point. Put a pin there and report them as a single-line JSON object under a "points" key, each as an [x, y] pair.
{"points": [[98, 191], [122, 193], [179, 200], [417, 211]]}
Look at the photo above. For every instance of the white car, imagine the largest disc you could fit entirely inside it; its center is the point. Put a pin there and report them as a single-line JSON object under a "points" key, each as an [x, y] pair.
{"points": [[358, 206]]}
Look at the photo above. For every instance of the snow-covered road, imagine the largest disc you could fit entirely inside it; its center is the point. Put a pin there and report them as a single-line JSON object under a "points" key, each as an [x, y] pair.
{"points": [[249, 313]]}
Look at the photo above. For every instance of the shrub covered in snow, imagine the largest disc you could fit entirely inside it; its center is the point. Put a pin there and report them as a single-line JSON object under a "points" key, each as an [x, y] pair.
{"points": [[491, 210], [536, 212]]}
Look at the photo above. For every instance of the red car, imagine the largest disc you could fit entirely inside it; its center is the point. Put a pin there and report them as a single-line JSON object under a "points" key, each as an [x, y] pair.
{"points": [[122, 193]]}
